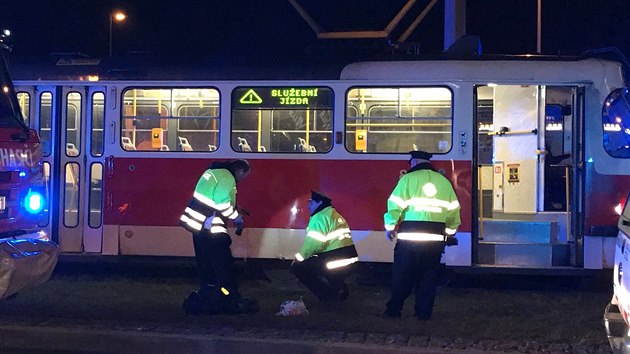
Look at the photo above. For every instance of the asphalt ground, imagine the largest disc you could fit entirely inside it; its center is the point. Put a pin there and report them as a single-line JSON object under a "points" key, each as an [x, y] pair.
{"points": [[135, 307]]}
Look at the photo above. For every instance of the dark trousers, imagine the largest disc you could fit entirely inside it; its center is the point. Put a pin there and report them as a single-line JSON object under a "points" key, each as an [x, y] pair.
{"points": [[327, 284], [214, 260], [416, 266]]}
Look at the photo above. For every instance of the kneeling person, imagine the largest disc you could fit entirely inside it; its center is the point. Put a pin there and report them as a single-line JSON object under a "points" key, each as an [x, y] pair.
{"points": [[212, 205], [328, 255]]}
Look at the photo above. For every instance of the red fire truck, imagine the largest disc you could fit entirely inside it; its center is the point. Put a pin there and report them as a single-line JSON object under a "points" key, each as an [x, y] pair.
{"points": [[26, 253]]}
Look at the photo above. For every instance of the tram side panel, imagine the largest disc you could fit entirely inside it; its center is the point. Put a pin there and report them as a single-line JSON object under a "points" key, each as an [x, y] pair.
{"points": [[603, 193], [146, 196]]}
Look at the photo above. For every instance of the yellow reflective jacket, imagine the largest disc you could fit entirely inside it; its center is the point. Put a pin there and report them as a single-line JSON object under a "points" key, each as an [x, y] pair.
{"points": [[423, 194], [327, 230], [214, 196]]}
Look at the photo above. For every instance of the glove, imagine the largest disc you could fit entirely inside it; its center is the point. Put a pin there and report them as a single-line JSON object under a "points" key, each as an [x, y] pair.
{"points": [[238, 222], [390, 234], [451, 241], [207, 224]]}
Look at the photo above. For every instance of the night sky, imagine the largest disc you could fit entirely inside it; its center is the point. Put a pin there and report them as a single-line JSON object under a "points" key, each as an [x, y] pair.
{"points": [[185, 30]]}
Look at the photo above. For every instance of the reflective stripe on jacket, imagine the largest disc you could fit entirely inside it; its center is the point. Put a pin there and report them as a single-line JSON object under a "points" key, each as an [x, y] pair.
{"points": [[214, 200], [327, 230], [423, 195]]}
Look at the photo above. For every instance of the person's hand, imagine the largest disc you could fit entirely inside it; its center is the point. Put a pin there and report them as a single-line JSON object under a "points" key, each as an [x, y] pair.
{"points": [[238, 222], [390, 234]]}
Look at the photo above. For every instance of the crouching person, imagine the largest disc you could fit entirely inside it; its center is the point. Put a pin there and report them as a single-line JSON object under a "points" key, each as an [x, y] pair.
{"points": [[212, 205], [328, 255]]}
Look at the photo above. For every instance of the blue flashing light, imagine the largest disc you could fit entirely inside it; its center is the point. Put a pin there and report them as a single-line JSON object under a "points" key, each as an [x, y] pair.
{"points": [[34, 202], [590, 160], [22, 174]]}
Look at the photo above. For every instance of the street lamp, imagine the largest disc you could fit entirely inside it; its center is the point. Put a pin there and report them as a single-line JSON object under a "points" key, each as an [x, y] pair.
{"points": [[117, 16]]}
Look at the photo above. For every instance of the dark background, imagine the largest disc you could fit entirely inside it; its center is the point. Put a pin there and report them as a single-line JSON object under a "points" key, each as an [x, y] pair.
{"points": [[185, 31]]}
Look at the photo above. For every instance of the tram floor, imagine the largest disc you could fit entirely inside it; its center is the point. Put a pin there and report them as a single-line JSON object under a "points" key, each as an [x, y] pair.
{"points": [[525, 310]]}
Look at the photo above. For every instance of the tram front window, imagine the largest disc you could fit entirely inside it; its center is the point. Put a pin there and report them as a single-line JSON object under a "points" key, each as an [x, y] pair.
{"points": [[616, 123]]}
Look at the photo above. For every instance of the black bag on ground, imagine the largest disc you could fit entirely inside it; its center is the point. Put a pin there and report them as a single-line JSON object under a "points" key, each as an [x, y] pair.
{"points": [[209, 300], [202, 303]]}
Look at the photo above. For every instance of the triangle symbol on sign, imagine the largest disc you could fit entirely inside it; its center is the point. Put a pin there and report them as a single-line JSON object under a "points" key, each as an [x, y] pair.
{"points": [[250, 97]]}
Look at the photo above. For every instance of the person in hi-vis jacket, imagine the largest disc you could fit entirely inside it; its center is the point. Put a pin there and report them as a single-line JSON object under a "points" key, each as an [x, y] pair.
{"points": [[328, 254], [214, 203], [425, 205]]}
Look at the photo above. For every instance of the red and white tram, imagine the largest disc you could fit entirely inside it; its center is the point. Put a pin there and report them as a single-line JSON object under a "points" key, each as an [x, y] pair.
{"points": [[537, 162]]}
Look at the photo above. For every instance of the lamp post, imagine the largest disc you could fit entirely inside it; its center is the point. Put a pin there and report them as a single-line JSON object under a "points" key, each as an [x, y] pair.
{"points": [[117, 16]]}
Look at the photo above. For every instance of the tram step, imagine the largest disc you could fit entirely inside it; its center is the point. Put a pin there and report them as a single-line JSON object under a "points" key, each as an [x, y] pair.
{"points": [[523, 254], [518, 231]]}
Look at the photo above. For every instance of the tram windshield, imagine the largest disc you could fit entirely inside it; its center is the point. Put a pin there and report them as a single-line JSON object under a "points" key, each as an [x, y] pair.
{"points": [[10, 114], [616, 123]]}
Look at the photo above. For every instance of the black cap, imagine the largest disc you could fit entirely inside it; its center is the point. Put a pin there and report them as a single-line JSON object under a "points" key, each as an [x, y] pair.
{"points": [[423, 155], [318, 197]]}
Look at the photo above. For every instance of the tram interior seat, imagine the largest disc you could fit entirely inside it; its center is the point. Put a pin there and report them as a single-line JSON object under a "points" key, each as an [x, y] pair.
{"points": [[212, 147], [304, 147], [184, 145], [262, 149], [127, 144], [71, 150], [243, 145], [165, 148]]}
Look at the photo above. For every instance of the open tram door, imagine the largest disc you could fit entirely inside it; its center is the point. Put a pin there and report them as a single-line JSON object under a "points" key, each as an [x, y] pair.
{"points": [[526, 185]]}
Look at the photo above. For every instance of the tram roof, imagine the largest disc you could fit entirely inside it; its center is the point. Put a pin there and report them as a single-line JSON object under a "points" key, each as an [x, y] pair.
{"points": [[75, 67]]}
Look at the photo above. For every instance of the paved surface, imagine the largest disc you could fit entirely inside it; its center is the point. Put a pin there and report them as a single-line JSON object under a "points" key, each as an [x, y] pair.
{"points": [[95, 336], [55, 334], [103, 337]]}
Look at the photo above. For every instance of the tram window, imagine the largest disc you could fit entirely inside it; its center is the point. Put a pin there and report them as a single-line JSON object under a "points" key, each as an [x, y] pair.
{"points": [[282, 119], [616, 123], [73, 125], [96, 192], [485, 108], [399, 119], [71, 195], [45, 118], [98, 109], [159, 119], [24, 100]]}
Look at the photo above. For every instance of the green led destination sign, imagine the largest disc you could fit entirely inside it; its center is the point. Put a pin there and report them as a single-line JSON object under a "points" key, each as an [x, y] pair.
{"points": [[282, 97]]}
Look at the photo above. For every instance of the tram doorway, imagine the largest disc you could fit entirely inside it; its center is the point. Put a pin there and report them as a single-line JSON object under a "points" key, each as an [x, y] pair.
{"points": [[526, 139]]}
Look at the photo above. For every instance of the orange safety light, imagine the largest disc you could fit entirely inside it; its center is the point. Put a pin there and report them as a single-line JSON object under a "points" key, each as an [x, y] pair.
{"points": [[157, 138], [360, 140]]}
